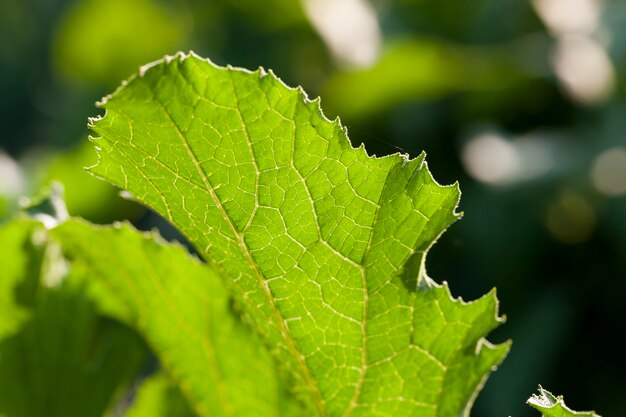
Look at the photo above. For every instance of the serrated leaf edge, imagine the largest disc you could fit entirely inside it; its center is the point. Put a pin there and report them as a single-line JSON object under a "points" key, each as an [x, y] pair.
{"points": [[545, 400]]}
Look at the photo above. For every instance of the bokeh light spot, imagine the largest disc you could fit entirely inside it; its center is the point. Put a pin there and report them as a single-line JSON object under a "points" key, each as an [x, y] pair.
{"points": [[491, 159], [349, 28], [584, 69], [569, 16], [608, 172], [11, 176], [570, 218]]}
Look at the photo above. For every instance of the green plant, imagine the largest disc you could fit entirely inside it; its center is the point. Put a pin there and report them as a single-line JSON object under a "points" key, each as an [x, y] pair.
{"points": [[313, 299]]}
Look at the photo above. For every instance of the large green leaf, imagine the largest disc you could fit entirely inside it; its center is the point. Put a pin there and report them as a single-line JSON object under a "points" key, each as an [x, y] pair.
{"points": [[58, 358], [551, 406], [322, 245], [183, 311]]}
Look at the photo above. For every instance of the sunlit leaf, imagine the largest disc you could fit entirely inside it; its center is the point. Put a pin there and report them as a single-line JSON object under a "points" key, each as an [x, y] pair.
{"points": [[322, 245]]}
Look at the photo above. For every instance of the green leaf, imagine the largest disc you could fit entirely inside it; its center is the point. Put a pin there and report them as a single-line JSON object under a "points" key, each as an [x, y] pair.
{"points": [[551, 406], [183, 311], [322, 245], [58, 358]]}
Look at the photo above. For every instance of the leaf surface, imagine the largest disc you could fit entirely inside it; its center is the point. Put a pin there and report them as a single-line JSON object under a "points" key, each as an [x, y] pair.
{"points": [[551, 406], [322, 245]]}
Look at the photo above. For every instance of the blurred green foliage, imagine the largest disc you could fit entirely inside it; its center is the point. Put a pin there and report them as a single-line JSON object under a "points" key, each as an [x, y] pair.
{"points": [[58, 356], [545, 218], [419, 69], [101, 41]]}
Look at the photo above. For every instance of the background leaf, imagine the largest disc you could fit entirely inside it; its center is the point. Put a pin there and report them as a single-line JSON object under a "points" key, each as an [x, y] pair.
{"points": [[183, 311], [58, 357]]}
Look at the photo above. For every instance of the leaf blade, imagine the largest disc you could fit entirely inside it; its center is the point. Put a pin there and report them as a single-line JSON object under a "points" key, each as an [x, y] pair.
{"points": [[322, 244]]}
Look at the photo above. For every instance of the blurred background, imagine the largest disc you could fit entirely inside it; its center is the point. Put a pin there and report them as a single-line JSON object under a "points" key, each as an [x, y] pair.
{"points": [[522, 101]]}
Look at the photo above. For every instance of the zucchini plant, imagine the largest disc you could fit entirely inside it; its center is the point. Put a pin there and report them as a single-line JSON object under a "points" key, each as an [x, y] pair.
{"points": [[311, 297]]}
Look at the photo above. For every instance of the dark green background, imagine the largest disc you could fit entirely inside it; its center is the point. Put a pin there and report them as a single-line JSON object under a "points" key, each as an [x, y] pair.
{"points": [[553, 244]]}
